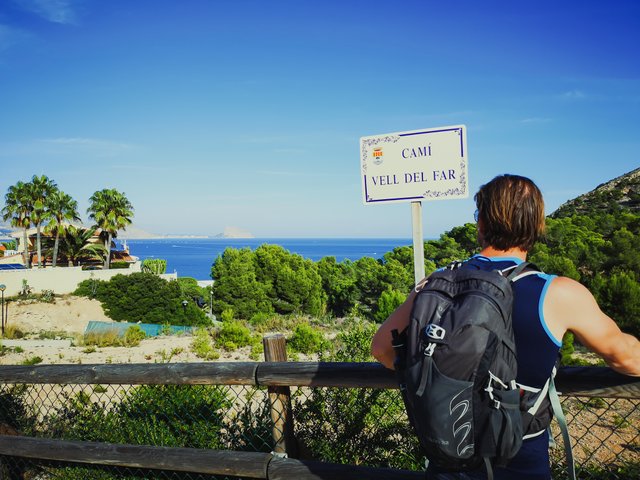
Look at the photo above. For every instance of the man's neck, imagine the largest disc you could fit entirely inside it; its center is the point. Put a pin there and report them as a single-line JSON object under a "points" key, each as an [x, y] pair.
{"points": [[512, 252]]}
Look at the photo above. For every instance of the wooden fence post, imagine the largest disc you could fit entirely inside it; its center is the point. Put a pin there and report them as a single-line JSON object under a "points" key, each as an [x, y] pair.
{"points": [[280, 397]]}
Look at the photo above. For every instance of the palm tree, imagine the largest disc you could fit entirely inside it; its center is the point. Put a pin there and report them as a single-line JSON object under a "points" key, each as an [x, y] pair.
{"points": [[111, 211], [61, 209], [76, 245], [41, 187], [18, 208]]}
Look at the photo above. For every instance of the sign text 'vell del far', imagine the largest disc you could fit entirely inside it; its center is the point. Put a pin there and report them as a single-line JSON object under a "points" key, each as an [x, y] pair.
{"points": [[428, 164]]}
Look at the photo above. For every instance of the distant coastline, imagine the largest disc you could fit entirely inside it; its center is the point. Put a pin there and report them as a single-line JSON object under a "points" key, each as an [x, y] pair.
{"points": [[133, 233]]}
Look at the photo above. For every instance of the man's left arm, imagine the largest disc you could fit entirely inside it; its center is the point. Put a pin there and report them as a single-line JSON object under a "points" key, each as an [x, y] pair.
{"points": [[381, 347]]}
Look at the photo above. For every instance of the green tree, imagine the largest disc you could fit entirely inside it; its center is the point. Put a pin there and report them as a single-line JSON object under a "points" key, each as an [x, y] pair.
{"points": [[389, 301], [576, 241], [191, 291], [557, 264], [624, 251], [444, 251], [236, 286], [61, 209], [395, 276], [40, 189], [370, 287], [292, 282], [339, 285], [620, 298], [403, 255], [111, 211], [466, 237], [18, 209], [76, 245], [10, 245]]}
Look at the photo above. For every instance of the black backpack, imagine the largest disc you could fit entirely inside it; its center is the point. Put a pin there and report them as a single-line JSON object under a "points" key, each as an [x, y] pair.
{"points": [[456, 366]]}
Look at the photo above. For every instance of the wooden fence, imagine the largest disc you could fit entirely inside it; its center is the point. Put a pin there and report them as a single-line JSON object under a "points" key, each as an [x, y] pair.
{"points": [[277, 377]]}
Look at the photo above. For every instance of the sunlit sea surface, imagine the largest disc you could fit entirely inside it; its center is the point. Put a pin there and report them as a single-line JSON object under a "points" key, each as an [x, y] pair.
{"points": [[192, 257]]}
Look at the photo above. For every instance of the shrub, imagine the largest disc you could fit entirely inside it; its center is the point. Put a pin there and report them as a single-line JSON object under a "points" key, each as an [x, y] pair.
{"points": [[260, 318], [567, 349], [51, 334], [201, 345], [12, 332], [26, 289], [307, 339], [250, 428], [47, 296], [566, 353], [227, 315], [232, 335], [104, 338], [166, 415], [143, 297], [32, 361], [91, 288], [279, 323], [133, 336], [157, 266], [257, 350], [118, 265], [356, 425]]}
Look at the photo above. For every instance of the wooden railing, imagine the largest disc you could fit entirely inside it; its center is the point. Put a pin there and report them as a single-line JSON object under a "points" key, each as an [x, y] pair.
{"points": [[574, 381]]}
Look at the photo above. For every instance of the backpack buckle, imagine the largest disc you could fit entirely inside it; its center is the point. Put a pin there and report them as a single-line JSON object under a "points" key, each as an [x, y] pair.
{"points": [[435, 332], [429, 349]]}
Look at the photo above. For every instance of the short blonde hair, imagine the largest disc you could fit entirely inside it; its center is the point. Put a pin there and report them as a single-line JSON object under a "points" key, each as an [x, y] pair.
{"points": [[511, 209]]}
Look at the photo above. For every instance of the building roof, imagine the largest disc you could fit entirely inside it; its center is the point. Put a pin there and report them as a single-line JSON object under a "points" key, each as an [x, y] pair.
{"points": [[122, 256]]}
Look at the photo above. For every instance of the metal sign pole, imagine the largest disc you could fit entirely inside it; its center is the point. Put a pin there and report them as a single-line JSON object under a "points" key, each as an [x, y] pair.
{"points": [[418, 240], [2, 289]]}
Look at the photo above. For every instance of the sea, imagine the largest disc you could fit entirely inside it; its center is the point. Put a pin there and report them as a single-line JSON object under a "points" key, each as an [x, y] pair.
{"points": [[193, 257]]}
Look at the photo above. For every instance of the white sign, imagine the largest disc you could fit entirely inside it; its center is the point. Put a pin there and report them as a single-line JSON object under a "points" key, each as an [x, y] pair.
{"points": [[428, 164]]}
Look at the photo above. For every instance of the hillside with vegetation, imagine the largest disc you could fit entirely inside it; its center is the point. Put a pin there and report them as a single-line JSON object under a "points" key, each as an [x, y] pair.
{"points": [[620, 194]]}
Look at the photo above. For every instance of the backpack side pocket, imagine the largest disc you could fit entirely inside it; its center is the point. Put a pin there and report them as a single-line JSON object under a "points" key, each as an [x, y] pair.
{"points": [[443, 415], [503, 429]]}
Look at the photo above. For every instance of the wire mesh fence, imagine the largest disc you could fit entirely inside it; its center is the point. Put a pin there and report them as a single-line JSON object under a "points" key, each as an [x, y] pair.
{"points": [[357, 426]]}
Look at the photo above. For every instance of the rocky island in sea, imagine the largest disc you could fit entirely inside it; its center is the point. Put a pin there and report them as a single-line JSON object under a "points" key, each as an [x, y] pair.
{"points": [[234, 232]]}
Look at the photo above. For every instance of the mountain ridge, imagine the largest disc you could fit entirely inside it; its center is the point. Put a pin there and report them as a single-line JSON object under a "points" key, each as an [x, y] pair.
{"points": [[618, 194]]}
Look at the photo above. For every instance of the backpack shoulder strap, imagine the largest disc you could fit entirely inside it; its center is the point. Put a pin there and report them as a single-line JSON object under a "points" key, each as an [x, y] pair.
{"points": [[562, 422], [519, 271]]}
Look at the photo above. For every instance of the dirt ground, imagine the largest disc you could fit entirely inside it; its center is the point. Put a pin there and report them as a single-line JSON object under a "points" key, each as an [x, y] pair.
{"points": [[54, 332]]}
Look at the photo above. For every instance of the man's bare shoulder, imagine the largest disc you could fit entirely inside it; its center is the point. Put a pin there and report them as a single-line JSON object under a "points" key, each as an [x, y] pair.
{"points": [[569, 305], [565, 289]]}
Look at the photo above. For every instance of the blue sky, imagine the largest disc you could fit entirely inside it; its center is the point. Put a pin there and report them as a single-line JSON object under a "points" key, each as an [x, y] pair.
{"points": [[209, 114]]}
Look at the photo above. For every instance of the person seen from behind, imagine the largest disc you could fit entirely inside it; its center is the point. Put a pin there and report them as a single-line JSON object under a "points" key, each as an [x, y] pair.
{"points": [[510, 219]]}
